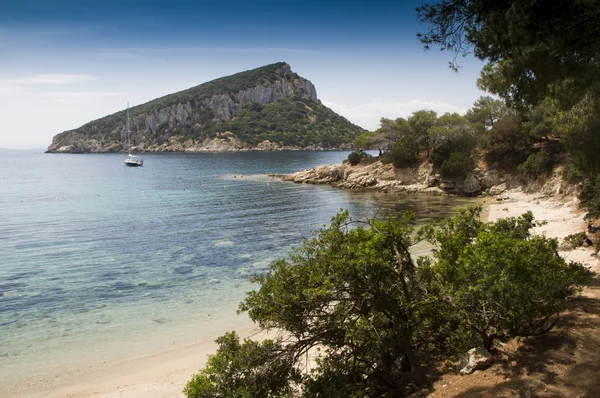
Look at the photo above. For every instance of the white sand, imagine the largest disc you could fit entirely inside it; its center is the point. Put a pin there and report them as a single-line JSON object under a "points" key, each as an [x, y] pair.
{"points": [[161, 375], [165, 374], [562, 218]]}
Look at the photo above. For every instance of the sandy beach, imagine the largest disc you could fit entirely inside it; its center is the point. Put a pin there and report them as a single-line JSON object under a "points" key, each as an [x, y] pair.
{"points": [[562, 363], [164, 374], [561, 216]]}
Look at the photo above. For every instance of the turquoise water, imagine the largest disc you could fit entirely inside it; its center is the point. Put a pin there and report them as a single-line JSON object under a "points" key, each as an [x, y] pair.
{"points": [[99, 261]]}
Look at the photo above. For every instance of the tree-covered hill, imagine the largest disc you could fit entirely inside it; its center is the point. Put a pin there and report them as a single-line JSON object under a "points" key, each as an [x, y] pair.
{"points": [[268, 103]]}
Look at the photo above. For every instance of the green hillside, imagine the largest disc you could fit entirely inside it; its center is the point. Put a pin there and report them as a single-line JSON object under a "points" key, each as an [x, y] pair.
{"points": [[268, 103], [288, 121]]}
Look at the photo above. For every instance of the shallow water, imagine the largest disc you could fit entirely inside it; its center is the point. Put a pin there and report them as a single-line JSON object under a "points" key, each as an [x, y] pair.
{"points": [[99, 261]]}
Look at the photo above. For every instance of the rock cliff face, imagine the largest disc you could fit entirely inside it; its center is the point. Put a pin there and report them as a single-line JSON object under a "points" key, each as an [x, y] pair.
{"points": [[172, 116], [198, 116]]}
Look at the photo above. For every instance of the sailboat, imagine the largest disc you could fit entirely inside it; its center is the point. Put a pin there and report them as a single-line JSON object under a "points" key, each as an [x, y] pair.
{"points": [[132, 160]]}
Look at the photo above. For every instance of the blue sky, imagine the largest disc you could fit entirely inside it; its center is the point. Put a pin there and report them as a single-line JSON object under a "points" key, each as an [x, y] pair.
{"points": [[64, 63]]}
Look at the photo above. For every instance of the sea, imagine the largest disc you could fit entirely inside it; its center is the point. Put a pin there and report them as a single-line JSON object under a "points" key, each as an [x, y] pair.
{"points": [[100, 262]]}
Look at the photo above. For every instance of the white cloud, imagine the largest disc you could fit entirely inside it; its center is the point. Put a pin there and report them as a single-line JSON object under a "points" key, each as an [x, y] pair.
{"points": [[27, 85], [10, 89], [74, 96], [368, 115], [46, 79]]}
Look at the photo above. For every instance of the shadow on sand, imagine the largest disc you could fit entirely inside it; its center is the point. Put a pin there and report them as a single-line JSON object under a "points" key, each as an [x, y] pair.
{"points": [[563, 363]]}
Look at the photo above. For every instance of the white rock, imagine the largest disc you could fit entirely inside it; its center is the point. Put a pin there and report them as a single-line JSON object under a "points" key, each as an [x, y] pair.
{"points": [[498, 189], [476, 358]]}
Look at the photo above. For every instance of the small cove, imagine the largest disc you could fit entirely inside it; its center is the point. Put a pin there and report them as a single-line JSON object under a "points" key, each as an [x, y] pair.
{"points": [[101, 262]]}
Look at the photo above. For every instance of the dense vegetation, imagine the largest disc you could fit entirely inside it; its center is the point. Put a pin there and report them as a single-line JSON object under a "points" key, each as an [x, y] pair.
{"points": [[377, 318], [525, 143], [542, 63], [356, 156], [447, 142], [543, 60], [294, 121]]}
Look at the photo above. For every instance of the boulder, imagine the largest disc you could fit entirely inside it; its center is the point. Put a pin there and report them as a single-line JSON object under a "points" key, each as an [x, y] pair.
{"points": [[372, 182], [475, 359], [434, 191], [267, 145], [431, 181], [65, 149], [498, 189], [558, 188], [447, 185], [471, 185], [489, 179]]}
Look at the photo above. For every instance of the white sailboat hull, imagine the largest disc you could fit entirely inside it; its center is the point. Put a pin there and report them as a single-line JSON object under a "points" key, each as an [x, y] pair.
{"points": [[134, 162]]}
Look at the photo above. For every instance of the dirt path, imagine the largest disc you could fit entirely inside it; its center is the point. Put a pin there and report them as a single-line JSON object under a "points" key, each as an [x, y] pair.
{"points": [[562, 363]]}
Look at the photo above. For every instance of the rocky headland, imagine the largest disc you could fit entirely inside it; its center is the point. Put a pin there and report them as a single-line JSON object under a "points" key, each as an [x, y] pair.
{"points": [[265, 109]]}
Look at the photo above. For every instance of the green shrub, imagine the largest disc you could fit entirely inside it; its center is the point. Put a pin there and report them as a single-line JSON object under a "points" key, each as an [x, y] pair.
{"points": [[458, 165], [453, 157], [575, 240], [355, 157], [404, 153], [355, 292], [501, 280], [346, 290], [537, 164], [506, 144], [571, 173], [246, 370], [441, 153], [589, 195]]}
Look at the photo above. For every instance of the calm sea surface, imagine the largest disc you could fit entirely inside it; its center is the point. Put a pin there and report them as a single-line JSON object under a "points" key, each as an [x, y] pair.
{"points": [[99, 261]]}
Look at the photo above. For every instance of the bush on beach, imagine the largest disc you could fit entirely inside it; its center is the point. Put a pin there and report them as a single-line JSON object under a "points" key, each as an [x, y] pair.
{"points": [[356, 156], [381, 317]]}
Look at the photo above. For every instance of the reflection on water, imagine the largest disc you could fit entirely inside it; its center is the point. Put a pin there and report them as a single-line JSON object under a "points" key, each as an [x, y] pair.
{"points": [[367, 204]]}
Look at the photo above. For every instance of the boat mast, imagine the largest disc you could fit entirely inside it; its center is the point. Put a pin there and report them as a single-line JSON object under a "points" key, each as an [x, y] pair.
{"points": [[127, 129]]}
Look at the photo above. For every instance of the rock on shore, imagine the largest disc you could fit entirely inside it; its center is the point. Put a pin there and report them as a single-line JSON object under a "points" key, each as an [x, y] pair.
{"points": [[373, 174]]}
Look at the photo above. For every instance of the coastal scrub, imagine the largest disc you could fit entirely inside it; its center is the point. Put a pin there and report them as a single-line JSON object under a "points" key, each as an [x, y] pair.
{"points": [[377, 319]]}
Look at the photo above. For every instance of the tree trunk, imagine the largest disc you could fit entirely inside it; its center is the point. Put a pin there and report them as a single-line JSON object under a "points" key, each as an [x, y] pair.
{"points": [[414, 364]]}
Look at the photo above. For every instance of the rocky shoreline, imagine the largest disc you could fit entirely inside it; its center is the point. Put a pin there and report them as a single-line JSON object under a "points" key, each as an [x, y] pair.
{"points": [[222, 142], [372, 174]]}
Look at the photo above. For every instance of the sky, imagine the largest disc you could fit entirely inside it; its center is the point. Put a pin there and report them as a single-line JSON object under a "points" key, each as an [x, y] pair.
{"points": [[64, 63]]}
